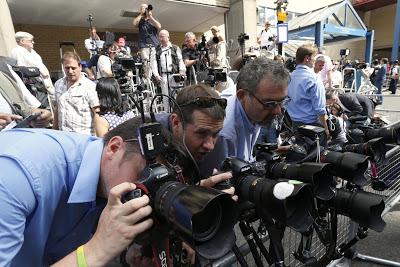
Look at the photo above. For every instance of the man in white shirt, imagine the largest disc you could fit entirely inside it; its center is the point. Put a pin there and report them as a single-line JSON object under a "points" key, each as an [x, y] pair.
{"points": [[91, 44], [76, 98], [326, 72], [27, 56], [168, 61], [267, 40]]}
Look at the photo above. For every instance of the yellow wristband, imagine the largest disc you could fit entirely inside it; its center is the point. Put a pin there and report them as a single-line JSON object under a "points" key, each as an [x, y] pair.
{"points": [[80, 255]]}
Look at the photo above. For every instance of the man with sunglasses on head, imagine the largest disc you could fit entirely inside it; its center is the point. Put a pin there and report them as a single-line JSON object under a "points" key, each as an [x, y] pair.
{"points": [[76, 98], [196, 121], [261, 92], [307, 91]]}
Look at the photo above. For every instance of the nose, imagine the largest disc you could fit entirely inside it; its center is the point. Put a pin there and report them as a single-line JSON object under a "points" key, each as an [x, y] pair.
{"points": [[277, 110], [208, 143]]}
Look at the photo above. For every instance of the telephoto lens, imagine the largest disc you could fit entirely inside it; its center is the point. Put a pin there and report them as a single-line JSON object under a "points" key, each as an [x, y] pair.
{"points": [[388, 134], [347, 165], [319, 175], [289, 202], [365, 208], [375, 148]]}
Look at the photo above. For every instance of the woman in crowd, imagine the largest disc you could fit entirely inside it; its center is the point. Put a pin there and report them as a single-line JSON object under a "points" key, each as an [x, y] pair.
{"points": [[113, 110]]}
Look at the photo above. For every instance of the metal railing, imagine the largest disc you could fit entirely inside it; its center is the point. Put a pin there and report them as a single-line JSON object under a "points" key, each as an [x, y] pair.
{"points": [[388, 173]]}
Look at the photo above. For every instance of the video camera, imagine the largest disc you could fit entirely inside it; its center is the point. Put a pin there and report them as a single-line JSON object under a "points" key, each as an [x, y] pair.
{"points": [[202, 217], [212, 76], [120, 69], [242, 38], [202, 46]]}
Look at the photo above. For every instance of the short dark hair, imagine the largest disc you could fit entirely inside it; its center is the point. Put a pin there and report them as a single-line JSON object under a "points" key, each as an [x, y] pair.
{"points": [[190, 93], [305, 50], [126, 130], [73, 55], [254, 72], [110, 96]]}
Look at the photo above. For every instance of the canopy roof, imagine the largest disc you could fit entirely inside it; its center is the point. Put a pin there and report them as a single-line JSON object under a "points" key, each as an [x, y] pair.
{"points": [[339, 22]]}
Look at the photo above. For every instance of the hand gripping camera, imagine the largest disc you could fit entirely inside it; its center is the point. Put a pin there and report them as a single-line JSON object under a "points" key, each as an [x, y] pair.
{"points": [[202, 217]]}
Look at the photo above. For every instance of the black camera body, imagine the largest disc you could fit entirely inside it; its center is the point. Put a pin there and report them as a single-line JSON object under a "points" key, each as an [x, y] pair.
{"points": [[120, 69], [202, 217]]}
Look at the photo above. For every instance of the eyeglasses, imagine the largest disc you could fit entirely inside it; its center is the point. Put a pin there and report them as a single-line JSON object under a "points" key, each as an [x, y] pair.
{"points": [[272, 103], [206, 102]]}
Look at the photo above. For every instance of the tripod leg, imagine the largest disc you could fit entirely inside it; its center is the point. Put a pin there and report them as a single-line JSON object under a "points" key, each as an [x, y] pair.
{"points": [[247, 233], [239, 256]]}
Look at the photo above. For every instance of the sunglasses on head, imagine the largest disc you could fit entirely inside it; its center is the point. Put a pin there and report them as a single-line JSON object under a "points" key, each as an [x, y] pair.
{"points": [[271, 104], [206, 102]]}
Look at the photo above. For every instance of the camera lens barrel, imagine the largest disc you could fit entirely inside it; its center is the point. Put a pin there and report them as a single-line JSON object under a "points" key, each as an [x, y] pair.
{"points": [[363, 207], [347, 165], [319, 175], [288, 203], [203, 217]]}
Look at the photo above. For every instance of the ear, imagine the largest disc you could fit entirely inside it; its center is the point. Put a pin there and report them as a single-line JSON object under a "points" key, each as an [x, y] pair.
{"points": [[240, 94], [114, 145], [176, 123]]}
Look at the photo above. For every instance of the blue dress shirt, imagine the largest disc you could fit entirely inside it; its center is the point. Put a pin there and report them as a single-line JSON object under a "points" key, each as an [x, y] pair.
{"points": [[236, 139], [308, 96], [48, 184]]}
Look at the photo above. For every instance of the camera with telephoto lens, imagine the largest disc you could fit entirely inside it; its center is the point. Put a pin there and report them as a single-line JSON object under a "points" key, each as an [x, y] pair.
{"points": [[287, 201], [121, 67], [149, 8], [202, 217], [318, 175], [347, 165], [242, 38]]}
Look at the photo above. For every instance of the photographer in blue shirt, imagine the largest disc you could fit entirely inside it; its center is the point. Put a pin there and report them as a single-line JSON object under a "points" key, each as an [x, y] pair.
{"points": [[65, 205], [307, 92]]}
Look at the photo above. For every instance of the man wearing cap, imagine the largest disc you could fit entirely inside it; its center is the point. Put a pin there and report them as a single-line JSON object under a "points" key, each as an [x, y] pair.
{"points": [[27, 56], [266, 39]]}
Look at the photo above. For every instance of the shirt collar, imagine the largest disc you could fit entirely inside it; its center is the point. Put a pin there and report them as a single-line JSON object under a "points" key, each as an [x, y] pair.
{"points": [[77, 83], [165, 47], [242, 114], [85, 186]]}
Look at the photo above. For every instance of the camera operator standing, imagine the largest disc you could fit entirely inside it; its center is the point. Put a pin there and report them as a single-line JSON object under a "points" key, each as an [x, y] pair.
{"points": [[267, 39], [192, 56], [148, 28], [168, 62], [105, 61], [216, 46]]}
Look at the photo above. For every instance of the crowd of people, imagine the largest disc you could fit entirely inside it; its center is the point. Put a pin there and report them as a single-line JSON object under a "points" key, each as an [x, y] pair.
{"points": [[61, 189]]}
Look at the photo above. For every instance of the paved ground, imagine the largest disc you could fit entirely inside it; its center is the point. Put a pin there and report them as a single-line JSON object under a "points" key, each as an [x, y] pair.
{"points": [[382, 245]]}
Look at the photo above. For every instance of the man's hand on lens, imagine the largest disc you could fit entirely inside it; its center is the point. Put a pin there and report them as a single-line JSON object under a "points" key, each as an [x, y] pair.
{"points": [[218, 178], [119, 224]]}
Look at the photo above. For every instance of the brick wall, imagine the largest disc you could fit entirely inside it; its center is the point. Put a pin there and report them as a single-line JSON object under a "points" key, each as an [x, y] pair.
{"points": [[48, 37]]}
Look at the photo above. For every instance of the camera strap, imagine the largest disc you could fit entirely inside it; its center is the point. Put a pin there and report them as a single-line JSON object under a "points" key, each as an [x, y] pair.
{"points": [[161, 252]]}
